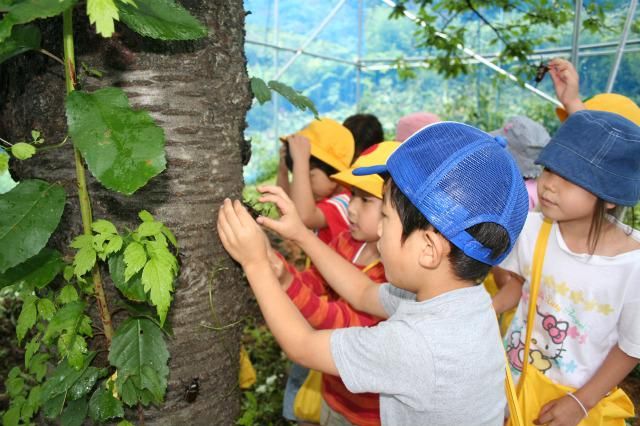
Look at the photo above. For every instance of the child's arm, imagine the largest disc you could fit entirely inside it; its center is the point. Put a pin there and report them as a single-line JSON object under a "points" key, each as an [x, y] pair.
{"points": [[566, 410], [566, 82], [510, 289], [347, 280], [300, 188], [238, 233], [282, 179]]}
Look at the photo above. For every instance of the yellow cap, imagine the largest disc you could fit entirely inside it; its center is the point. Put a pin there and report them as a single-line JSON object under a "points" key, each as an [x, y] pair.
{"points": [[331, 142], [609, 102], [372, 156]]}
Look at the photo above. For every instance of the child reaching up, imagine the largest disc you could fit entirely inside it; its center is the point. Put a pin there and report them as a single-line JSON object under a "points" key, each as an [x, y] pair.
{"points": [[313, 154], [322, 308], [453, 206], [586, 318]]}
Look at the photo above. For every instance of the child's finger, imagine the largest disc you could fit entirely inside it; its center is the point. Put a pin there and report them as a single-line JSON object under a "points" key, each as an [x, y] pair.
{"points": [[271, 224], [231, 217], [224, 229], [283, 205], [242, 214]]}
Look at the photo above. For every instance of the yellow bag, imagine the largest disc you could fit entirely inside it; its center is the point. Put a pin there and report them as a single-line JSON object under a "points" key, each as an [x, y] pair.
{"points": [[507, 316], [535, 389], [246, 374], [308, 400]]}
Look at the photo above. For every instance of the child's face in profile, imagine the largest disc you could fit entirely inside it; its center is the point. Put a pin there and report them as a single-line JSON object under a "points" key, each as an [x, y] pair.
{"points": [[321, 185], [392, 251], [365, 212], [561, 200]]}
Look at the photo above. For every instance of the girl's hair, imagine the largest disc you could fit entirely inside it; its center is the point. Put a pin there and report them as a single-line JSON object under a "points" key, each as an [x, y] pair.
{"points": [[366, 129], [600, 212]]}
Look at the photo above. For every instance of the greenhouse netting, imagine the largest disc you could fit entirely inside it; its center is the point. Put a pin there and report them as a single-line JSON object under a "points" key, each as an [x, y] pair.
{"points": [[343, 54]]}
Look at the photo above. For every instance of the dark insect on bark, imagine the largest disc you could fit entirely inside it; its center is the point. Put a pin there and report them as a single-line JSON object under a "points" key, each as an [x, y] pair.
{"points": [[541, 71], [191, 392]]}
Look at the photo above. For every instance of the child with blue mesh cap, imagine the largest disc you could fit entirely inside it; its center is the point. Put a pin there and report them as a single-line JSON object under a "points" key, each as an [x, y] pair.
{"points": [[454, 204]]}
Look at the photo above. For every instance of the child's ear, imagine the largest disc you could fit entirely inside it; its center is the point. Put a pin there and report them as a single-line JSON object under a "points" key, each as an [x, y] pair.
{"points": [[434, 249]]}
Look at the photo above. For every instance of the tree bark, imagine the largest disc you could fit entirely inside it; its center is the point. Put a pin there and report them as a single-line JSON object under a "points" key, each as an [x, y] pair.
{"points": [[198, 92]]}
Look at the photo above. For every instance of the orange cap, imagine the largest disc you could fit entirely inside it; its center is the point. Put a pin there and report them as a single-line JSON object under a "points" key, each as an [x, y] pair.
{"points": [[609, 102], [330, 142], [372, 156]]}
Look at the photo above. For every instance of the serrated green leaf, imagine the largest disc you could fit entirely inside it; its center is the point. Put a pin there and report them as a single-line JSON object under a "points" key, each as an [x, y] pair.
{"points": [[102, 226], [139, 353], [260, 90], [82, 241], [11, 417], [63, 378], [114, 245], [296, 98], [84, 384], [131, 289], [161, 19], [125, 423], [159, 251], [68, 294], [14, 372], [23, 151], [147, 229], [29, 214], [67, 273], [30, 349], [14, 386], [73, 347], [27, 318], [32, 404], [84, 261], [145, 216], [38, 365], [135, 258], [52, 408], [102, 13], [22, 40], [35, 134], [46, 309], [123, 148], [30, 10], [167, 233], [68, 318], [36, 272], [75, 412], [103, 406], [157, 279]]}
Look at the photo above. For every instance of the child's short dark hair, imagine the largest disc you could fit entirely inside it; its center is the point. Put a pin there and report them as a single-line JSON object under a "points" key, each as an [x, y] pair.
{"points": [[314, 163], [490, 235], [366, 129]]}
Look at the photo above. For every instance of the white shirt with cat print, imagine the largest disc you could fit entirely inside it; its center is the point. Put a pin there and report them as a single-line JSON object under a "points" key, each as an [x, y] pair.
{"points": [[586, 305]]}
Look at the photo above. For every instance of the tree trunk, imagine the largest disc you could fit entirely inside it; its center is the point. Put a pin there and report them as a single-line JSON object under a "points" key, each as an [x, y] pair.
{"points": [[198, 92]]}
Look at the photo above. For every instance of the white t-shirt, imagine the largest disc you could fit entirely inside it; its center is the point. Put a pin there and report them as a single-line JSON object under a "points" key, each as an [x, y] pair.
{"points": [[586, 305]]}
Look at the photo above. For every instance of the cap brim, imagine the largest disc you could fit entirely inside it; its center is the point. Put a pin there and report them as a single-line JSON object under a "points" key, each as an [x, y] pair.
{"points": [[371, 170]]}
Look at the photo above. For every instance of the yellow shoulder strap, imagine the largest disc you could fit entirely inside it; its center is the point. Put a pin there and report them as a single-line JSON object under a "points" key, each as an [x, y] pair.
{"points": [[536, 273]]}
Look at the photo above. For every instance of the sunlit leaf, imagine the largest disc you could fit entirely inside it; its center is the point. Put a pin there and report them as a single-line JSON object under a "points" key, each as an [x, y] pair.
{"points": [[161, 19]]}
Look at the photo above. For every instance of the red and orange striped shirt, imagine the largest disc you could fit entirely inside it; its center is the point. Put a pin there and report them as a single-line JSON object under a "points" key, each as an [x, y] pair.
{"points": [[324, 309]]}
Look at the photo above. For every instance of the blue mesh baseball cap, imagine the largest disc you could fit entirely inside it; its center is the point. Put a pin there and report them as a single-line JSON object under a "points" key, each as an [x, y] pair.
{"points": [[458, 176]]}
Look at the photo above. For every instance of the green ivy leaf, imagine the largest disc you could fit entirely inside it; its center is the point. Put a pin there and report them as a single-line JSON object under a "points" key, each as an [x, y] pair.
{"points": [[145, 216], [84, 384], [22, 40], [73, 347], [52, 408], [123, 148], [103, 406], [12, 416], [46, 309], [102, 226], [30, 10], [14, 386], [38, 365], [30, 349], [296, 98], [167, 233], [84, 261], [148, 229], [23, 150], [68, 318], [32, 404], [125, 423], [68, 294], [113, 246], [161, 19], [139, 353], [75, 412], [29, 214], [135, 258], [36, 272], [260, 90], [102, 13], [157, 279], [131, 289], [64, 377], [27, 318]]}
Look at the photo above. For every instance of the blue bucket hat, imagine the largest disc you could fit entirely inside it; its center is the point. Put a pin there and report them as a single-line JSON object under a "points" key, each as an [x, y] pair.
{"points": [[458, 176], [600, 152]]}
